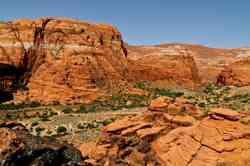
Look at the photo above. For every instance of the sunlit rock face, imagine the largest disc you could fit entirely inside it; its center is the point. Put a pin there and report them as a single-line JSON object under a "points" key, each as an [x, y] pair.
{"points": [[71, 61], [236, 74], [170, 66], [208, 61]]}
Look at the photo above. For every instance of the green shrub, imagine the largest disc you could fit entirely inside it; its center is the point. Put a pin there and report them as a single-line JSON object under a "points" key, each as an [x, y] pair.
{"points": [[92, 108], [11, 116], [140, 85], [61, 129], [34, 104], [82, 109], [34, 124], [116, 98], [136, 97], [168, 92], [39, 129], [44, 119], [55, 103], [67, 110], [107, 122]]}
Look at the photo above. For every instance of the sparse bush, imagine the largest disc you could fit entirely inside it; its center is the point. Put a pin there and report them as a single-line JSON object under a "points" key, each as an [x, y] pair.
{"points": [[93, 107], [13, 106], [34, 104], [45, 118], [136, 97], [61, 129], [107, 122], [35, 123], [82, 109], [140, 85], [67, 110], [11, 116], [39, 130], [55, 103], [168, 92]]}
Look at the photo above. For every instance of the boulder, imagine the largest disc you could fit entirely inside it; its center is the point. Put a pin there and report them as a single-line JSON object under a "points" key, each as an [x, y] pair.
{"points": [[148, 132], [160, 103], [178, 105], [225, 113], [18, 147], [121, 125]]}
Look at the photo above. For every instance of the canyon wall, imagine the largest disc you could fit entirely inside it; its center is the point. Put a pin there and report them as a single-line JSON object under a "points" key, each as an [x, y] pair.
{"points": [[71, 60]]}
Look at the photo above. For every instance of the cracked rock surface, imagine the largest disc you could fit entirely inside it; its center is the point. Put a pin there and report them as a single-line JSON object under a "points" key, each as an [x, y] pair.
{"points": [[163, 139], [209, 142]]}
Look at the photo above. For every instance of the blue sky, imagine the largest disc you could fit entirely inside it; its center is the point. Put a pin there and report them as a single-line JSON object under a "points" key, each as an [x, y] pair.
{"points": [[215, 23]]}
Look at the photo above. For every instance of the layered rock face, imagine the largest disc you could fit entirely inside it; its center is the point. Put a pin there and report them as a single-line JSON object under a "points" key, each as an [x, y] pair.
{"points": [[72, 61], [209, 61], [170, 67], [236, 74]]}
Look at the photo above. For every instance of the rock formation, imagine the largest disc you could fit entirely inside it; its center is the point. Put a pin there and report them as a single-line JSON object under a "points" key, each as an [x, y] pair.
{"points": [[209, 61], [236, 74], [71, 61], [159, 138], [64, 60], [170, 68], [18, 147]]}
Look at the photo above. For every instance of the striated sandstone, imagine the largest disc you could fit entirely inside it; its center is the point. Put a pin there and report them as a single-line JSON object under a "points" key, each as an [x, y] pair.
{"points": [[236, 74], [166, 69], [72, 61], [225, 113], [207, 143], [209, 62]]}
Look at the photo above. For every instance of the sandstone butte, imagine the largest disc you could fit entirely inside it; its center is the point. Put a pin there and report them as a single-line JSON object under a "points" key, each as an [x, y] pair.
{"points": [[209, 62], [72, 61], [77, 61]]}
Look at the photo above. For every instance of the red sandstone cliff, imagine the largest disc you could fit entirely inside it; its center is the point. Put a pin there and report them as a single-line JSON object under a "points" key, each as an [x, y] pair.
{"points": [[236, 74], [209, 61], [72, 61], [166, 68], [75, 61]]}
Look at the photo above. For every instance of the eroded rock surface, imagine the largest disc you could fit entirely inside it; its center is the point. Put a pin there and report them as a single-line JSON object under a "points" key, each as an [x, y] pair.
{"points": [[209, 62], [178, 105], [167, 68], [158, 138], [236, 74], [17, 147], [210, 142], [69, 60]]}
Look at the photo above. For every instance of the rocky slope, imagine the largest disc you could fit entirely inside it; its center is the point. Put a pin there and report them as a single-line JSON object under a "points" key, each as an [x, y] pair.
{"points": [[65, 60], [163, 136]]}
